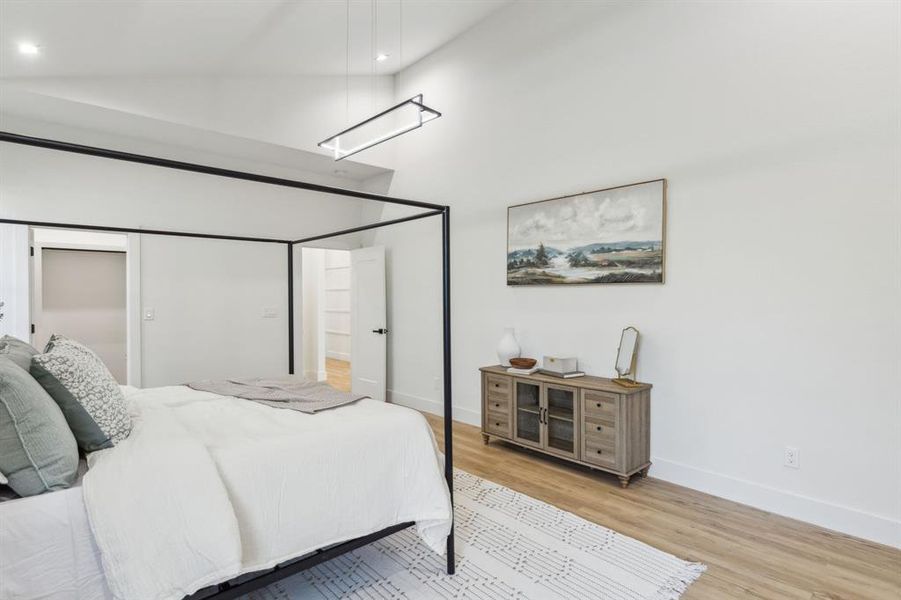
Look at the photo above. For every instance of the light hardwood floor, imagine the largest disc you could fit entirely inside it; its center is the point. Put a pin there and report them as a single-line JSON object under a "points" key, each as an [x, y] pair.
{"points": [[337, 373], [749, 553]]}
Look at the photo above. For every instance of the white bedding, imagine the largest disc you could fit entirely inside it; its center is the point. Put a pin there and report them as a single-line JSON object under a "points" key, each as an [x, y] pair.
{"points": [[47, 550], [255, 486]]}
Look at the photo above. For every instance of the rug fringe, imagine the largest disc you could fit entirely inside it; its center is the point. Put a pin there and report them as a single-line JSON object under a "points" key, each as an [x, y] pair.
{"points": [[678, 584]]}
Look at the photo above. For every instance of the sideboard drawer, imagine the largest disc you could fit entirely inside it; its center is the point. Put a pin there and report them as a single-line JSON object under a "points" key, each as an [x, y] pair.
{"points": [[600, 405], [599, 451], [601, 428], [499, 385], [497, 403], [498, 424]]}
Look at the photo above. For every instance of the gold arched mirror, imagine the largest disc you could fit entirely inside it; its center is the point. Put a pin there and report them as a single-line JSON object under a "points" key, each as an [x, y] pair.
{"points": [[626, 357]]}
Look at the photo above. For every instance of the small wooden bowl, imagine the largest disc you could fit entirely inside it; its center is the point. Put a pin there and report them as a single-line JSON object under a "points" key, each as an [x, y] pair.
{"points": [[523, 363]]}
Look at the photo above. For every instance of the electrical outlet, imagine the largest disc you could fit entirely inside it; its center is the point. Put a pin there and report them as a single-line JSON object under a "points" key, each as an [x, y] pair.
{"points": [[792, 457], [149, 314], [269, 312], [436, 383]]}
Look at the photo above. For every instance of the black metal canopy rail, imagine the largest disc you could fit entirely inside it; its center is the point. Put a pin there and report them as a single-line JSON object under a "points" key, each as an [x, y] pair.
{"points": [[227, 590]]}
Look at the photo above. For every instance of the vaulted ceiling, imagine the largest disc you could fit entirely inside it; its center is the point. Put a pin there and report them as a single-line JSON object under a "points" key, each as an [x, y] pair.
{"points": [[227, 37]]}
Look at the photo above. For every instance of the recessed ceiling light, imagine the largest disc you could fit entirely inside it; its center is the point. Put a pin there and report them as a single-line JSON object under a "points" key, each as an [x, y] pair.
{"points": [[29, 48], [382, 57]]}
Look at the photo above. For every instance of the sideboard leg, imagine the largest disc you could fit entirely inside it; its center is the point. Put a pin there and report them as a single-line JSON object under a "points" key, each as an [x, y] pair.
{"points": [[624, 481], [485, 439], [644, 472]]}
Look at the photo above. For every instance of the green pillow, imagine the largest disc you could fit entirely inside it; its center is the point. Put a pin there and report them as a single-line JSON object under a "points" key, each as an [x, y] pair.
{"points": [[37, 450], [17, 351], [87, 393]]}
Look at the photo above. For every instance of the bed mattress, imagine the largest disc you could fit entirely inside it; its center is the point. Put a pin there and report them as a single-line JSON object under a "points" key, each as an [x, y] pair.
{"points": [[47, 549], [50, 547]]}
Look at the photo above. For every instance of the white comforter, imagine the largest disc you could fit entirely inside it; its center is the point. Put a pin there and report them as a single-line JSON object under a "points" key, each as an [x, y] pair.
{"points": [[208, 487]]}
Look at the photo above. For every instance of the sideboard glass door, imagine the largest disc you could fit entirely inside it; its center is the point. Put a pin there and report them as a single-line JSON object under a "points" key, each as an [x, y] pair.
{"points": [[561, 420], [527, 398]]}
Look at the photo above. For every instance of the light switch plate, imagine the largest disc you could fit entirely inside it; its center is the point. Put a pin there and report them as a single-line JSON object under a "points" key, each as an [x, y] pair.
{"points": [[792, 457], [149, 314]]}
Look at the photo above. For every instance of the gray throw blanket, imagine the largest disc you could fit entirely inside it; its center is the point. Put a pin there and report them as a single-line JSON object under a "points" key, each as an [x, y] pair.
{"points": [[292, 392]]}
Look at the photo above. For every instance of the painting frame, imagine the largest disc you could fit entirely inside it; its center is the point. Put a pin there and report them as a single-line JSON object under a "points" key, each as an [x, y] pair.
{"points": [[662, 243]]}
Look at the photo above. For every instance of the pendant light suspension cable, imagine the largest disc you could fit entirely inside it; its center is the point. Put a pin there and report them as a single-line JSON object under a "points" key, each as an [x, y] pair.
{"points": [[373, 25], [346, 62], [388, 124]]}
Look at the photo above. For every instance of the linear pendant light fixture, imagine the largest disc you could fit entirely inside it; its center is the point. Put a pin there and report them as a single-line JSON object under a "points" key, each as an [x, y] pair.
{"points": [[399, 119]]}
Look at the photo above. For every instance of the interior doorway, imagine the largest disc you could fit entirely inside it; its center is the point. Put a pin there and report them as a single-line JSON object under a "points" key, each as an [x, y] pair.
{"points": [[80, 290], [344, 331], [327, 346]]}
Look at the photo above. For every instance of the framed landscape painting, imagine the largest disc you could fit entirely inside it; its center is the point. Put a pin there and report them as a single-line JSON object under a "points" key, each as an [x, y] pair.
{"points": [[607, 236]]}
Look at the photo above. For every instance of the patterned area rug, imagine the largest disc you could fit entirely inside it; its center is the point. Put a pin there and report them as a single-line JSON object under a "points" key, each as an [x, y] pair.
{"points": [[509, 545]]}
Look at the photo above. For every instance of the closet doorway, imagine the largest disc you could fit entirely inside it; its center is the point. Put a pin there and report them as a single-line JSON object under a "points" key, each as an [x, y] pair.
{"points": [[79, 290]]}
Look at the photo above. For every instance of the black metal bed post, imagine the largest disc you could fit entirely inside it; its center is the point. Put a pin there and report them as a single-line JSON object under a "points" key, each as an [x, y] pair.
{"points": [[435, 209], [448, 403], [290, 308]]}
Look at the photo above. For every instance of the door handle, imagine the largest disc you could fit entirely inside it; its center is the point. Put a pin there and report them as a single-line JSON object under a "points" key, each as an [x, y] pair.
{"points": [[380, 331]]}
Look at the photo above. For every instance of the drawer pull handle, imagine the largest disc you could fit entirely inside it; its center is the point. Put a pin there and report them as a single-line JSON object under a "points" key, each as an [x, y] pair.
{"points": [[496, 404], [599, 404], [599, 427], [599, 452], [498, 425]]}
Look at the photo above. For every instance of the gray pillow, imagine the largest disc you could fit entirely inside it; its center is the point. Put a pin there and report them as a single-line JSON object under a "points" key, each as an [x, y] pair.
{"points": [[17, 351], [37, 451], [87, 393]]}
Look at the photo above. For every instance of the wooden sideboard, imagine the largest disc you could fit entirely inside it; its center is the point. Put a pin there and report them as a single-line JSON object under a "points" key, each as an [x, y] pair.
{"points": [[587, 420]]}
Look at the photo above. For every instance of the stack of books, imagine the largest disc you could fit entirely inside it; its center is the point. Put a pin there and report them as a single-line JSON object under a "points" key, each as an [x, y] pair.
{"points": [[564, 368], [516, 371], [567, 375]]}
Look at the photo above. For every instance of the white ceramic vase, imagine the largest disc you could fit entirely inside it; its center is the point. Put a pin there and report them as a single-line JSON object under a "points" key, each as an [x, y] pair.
{"points": [[508, 347]]}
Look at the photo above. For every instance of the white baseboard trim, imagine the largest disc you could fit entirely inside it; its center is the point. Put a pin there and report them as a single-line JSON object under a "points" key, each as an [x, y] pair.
{"points": [[345, 356], [464, 415], [316, 375], [851, 521], [876, 528]]}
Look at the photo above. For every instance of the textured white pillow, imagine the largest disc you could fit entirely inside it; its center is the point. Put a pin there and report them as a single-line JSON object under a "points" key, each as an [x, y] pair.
{"points": [[87, 393]]}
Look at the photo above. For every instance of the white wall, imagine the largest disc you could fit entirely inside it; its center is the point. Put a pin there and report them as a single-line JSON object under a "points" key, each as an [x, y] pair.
{"points": [[297, 111], [208, 298], [14, 281], [48, 185], [777, 126]]}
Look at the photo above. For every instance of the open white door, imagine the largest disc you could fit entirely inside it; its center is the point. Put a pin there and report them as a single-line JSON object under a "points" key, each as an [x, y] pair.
{"points": [[368, 322]]}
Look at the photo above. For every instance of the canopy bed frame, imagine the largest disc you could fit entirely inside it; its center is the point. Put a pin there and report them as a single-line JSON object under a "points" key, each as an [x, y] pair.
{"points": [[245, 584]]}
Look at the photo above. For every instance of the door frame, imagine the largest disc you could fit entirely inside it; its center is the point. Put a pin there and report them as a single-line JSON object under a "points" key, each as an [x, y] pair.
{"points": [[132, 292]]}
